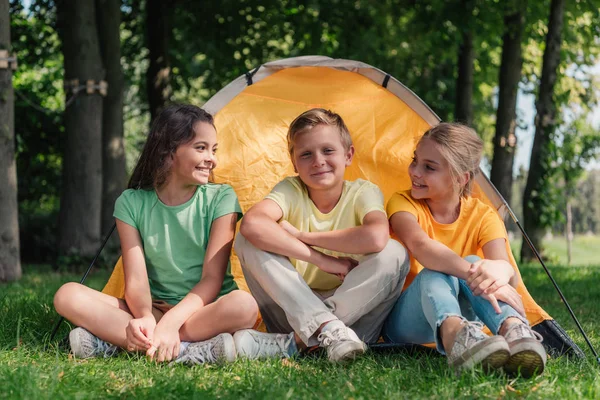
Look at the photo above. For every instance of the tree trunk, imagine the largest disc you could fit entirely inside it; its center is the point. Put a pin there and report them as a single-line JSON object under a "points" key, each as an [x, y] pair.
{"points": [[505, 139], [114, 174], [544, 127], [80, 206], [463, 111], [158, 79], [10, 260]]}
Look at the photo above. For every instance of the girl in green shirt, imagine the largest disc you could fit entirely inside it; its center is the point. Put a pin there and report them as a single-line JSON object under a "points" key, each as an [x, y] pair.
{"points": [[176, 231]]}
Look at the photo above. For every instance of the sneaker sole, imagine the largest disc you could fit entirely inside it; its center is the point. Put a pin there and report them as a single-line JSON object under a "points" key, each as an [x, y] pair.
{"points": [[491, 354], [350, 352], [528, 358]]}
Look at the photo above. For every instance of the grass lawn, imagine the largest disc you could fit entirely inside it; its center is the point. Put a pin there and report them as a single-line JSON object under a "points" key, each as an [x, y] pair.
{"points": [[33, 368], [584, 249]]}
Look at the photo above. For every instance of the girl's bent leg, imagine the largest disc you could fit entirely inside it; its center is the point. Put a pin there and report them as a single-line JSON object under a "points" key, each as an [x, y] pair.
{"points": [[422, 309], [230, 313], [103, 315], [483, 308]]}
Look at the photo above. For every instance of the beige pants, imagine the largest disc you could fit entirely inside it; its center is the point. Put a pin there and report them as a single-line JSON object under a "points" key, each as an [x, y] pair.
{"points": [[287, 303]]}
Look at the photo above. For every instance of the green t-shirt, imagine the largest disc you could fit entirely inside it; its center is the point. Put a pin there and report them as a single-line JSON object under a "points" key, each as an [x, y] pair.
{"points": [[175, 237]]}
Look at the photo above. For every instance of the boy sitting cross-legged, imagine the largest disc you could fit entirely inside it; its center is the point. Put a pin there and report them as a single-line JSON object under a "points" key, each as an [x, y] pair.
{"points": [[316, 252]]}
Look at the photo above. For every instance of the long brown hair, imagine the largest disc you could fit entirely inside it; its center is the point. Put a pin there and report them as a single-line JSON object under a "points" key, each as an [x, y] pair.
{"points": [[173, 127]]}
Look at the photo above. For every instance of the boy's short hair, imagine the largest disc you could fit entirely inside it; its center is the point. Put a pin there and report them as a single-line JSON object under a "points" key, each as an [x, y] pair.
{"points": [[317, 116]]}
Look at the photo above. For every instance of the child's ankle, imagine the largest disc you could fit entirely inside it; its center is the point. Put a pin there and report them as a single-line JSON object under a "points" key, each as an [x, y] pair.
{"points": [[293, 348], [508, 322], [330, 325]]}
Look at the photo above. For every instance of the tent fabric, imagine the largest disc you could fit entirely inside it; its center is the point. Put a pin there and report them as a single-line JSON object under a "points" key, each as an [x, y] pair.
{"points": [[252, 115]]}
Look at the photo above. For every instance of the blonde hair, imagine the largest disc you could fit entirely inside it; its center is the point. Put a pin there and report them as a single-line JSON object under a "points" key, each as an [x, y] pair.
{"points": [[311, 118], [460, 146]]}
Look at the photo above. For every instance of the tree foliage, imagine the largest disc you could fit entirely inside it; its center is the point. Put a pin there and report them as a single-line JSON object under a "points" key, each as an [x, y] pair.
{"points": [[211, 43]]}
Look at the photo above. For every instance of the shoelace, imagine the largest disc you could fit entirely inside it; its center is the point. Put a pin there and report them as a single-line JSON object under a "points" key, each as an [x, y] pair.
{"points": [[198, 355], [526, 332], [274, 345], [328, 337], [105, 348], [473, 331]]}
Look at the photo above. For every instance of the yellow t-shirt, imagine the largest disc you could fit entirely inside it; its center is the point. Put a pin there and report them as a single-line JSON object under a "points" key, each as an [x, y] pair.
{"points": [[358, 198], [476, 225]]}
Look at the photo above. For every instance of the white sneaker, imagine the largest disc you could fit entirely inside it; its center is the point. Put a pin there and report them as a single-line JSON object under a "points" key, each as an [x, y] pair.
{"points": [[341, 342], [216, 350], [255, 345], [86, 345], [473, 347], [527, 355]]}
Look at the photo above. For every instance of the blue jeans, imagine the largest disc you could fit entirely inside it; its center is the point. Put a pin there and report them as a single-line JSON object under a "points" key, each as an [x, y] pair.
{"points": [[430, 299]]}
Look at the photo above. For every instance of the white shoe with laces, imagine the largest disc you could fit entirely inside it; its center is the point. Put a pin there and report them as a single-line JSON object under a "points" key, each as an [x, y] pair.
{"points": [[216, 350], [86, 345], [341, 342], [472, 347], [254, 345], [527, 354]]}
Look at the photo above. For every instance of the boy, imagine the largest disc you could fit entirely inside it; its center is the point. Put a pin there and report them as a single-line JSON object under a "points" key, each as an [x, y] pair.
{"points": [[327, 273]]}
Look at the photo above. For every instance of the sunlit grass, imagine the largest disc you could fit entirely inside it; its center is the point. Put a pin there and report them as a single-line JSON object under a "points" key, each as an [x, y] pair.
{"points": [[33, 368]]}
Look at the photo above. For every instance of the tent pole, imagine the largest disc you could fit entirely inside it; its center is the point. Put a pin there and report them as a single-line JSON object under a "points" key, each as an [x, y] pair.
{"points": [[85, 276], [539, 257]]}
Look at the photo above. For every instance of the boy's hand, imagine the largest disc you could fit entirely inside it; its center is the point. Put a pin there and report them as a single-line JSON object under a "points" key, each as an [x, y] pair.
{"points": [[487, 276], [337, 266], [165, 346], [353, 264], [140, 332], [291, 229]]}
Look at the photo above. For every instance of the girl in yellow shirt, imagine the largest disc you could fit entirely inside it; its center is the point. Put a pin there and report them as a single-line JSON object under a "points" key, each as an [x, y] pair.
{"points": [[443, 227]]}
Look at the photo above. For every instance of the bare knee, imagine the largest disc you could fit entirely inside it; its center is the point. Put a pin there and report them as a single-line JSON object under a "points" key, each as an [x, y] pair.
{"points": [[66, 297], [242, 307]]}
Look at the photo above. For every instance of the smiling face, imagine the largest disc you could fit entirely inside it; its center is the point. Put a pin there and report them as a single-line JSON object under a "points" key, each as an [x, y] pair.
{"points": [[193, 161], [320, 157], [430, 174]]}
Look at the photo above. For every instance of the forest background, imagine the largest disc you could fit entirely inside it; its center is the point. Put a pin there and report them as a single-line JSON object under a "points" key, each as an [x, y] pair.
{"points": [[66, 155]]}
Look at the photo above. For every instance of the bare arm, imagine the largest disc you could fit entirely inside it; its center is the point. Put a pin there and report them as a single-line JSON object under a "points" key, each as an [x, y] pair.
{"points": [[496, 258], [430, 253], [137, 288], [139, 330], [213, 273], [370, 237], [438, 257], [260, 228]]}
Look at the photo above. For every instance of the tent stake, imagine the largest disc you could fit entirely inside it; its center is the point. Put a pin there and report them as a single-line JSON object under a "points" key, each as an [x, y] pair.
{"points": [[85, 276]]}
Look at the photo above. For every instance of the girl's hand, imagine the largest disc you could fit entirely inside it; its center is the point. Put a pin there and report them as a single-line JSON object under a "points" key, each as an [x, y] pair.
{"points": [[487, 276], [166, 344], [510, 296], [291, 229], [139, 333]]}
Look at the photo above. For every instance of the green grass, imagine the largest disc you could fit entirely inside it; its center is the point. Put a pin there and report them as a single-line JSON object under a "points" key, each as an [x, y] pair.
{"points": [[33, 368], [584, 249]]}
